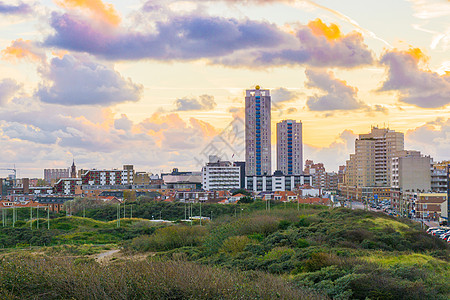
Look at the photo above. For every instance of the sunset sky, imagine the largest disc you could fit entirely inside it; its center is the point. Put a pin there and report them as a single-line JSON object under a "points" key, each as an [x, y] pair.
{"points": [[151, 83]]}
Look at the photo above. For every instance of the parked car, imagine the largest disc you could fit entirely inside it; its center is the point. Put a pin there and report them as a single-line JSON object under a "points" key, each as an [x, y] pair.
{"points": [[432, 228], [438, 232]]}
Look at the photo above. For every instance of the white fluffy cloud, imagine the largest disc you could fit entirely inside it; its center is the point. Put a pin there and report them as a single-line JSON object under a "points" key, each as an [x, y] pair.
{"points": [[79, 80]]}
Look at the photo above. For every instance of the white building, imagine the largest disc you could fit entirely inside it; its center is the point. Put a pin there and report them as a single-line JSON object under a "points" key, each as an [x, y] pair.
{"points": [[258, 132], [289, 147], [277, 182], [220, 175]]}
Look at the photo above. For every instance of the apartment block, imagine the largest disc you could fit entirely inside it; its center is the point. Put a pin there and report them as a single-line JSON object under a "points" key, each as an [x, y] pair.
{"points": [[276, 182], [108, 177], [258, 132], [319, 177], [67, 186], [289, 147], [371, 164], [53, 175], [411, 171], [220, 175]]}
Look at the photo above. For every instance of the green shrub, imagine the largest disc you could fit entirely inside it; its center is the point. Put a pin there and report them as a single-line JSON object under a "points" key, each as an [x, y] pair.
{"points": [[168, 238], [234, 244], [302, 243]]}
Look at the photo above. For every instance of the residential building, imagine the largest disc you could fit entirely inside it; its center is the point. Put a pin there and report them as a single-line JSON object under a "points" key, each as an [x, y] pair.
{"points": [[220, 175], [109, 177], [428, 205], [53, 175], [276, 182], [411, 171], [289, 147], [67, 186], [258, 160], [439, 179], [319, 177], [371, 164]]}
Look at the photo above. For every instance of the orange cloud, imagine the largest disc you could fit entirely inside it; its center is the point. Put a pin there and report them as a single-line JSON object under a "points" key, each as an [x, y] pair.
{"points": [[417, 54], [60, 53], [106, 12], [21, 49], [319, 28]]}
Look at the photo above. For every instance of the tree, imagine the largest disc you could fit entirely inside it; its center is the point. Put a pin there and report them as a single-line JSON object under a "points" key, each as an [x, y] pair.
{"points": [[246, 199], [242, 191]]}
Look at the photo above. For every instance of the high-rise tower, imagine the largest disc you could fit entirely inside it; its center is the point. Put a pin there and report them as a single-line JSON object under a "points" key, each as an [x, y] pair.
{"points": [[289, 147], [257, 132]]}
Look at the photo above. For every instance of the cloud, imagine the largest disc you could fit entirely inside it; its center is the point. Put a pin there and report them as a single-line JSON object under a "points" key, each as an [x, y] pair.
{"points": [[19, 9], [415, 85], [321, 45], [291, 110], [98, 9], [8, 88], [335, 154], [78, 80], [24, 49], [97, 138], [432, 138], [123, 123], [338, 95], [186, 37], [205, 102], [227, 41], [281, 95]]}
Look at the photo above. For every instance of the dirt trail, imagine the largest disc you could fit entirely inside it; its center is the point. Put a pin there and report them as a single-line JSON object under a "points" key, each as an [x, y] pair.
{"points": [[103, 257]]}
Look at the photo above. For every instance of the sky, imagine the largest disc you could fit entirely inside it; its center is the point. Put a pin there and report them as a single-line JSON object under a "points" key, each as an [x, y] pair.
{"points": [[160, 83]]}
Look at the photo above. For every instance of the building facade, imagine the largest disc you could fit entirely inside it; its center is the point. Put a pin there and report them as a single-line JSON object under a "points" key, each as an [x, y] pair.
{"points": [[289, 147], [220, 175], [109, 177], [276, 182], [371, 164], [411, 171], [53, 175], [67, 186], [258, 132]]}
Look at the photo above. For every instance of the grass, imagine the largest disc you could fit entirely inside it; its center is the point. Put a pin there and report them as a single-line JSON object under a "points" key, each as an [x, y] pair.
{"points": [[54, 278], [383, 223]]}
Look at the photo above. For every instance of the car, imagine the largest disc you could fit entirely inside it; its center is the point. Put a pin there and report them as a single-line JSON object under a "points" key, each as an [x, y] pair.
{"points": [[432, 228], [438, 232]]}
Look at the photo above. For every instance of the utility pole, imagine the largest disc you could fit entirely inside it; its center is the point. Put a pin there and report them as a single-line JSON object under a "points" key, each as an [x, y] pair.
{"points": [[118, 215], [131, 211], [37, 217], [200, 213], [48, 217], [14, 216], [31, 217]]}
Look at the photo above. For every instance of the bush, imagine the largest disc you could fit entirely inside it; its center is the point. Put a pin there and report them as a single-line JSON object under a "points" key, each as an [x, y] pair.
{"points": [[234, 244], [168, 238], [50, 278]]}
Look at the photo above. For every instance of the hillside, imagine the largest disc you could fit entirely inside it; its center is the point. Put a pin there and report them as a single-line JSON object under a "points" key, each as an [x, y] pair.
{"points": [[309, 253]]}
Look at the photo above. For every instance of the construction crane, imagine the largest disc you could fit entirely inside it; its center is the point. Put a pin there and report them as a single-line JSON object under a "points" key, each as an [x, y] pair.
{"points": [[14, 170]]}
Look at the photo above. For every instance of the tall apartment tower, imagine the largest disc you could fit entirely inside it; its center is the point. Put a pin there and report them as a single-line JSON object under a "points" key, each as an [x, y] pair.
{"points": [[257, 132], [371, 164], [289, 147]]}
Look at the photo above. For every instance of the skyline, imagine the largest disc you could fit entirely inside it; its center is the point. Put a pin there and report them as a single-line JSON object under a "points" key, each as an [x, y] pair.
{"points": [[151, 83]]}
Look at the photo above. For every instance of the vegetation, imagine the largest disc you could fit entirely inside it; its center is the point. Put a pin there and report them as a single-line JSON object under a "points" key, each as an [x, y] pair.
{"points": [[43, 278], [342, 253], [246, 250]]}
